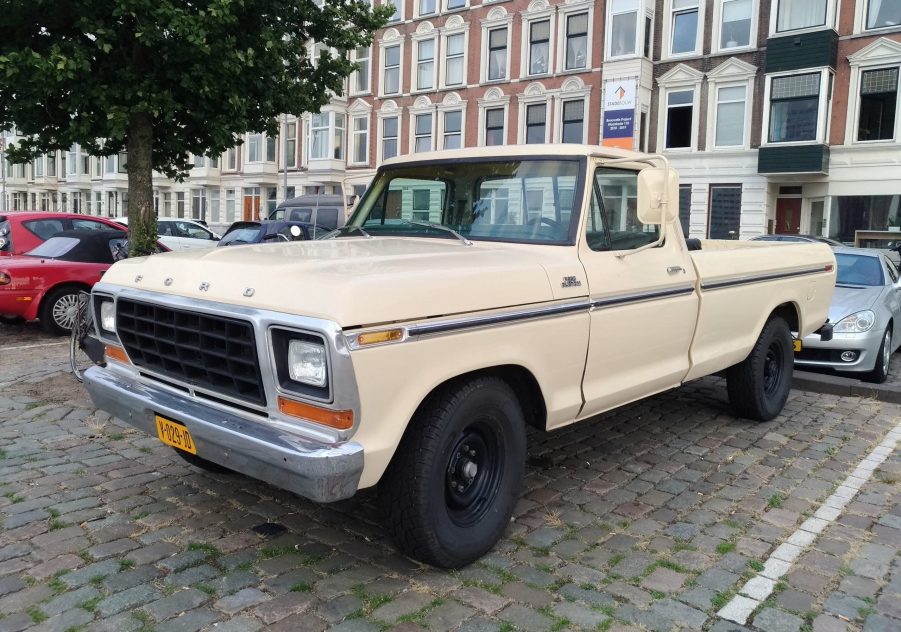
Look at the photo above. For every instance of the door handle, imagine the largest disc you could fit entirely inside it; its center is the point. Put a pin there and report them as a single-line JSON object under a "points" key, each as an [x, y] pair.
{"points": [[674, 269]]}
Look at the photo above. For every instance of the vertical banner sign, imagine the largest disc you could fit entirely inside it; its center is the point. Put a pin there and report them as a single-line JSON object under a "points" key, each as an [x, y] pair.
{"points": [[619, 113]]}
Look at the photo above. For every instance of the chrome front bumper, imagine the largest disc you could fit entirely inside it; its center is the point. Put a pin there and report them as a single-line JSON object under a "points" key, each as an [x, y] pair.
{"points": [[318, 471]]}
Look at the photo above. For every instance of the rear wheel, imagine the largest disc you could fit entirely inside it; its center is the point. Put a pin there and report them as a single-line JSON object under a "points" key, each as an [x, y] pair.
{"points": [[758, 386], [884, 358], [59, 310], [453, 483]]}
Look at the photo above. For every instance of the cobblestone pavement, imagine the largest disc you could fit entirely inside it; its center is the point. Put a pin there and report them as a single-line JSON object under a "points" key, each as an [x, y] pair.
{"points": [[651, 517]]}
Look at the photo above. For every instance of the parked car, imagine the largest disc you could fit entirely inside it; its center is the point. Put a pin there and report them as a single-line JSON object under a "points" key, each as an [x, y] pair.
{"points": [[21, 231], [182, 234], [270, 232], [866, 317], [323, 210], [466, 299], [44, 283], [799, 238]]}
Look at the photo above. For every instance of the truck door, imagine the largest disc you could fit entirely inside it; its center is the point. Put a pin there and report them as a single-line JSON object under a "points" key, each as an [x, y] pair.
{"points": [[644, 304]]}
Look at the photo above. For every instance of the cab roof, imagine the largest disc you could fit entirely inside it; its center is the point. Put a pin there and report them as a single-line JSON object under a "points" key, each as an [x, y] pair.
{"points": [[517, 151]]}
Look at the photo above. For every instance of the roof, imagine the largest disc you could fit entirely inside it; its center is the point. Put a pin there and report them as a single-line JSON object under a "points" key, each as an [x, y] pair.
{"points": [[504, 151], [49, 215]]}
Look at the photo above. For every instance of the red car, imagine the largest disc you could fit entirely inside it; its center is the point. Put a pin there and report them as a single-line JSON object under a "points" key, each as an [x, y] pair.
{"points": [[21, 231], [45, 282]]}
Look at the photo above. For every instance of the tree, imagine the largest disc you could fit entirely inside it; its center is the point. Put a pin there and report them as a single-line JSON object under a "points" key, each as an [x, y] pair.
{"points": [[162, 78]]}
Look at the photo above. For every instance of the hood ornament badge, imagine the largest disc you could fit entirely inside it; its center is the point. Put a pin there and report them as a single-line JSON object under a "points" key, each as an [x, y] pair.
{"points": [[248, 292], [204, 286], [168, 281]]}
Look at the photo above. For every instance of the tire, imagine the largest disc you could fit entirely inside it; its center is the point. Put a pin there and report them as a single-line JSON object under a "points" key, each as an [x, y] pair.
{"points": [[59, 310], [451, 487], [879, 374], [758, 386], [202, 463]]}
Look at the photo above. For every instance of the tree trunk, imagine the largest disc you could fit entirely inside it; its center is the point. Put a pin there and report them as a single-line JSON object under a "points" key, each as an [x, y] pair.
{"points": [[141, 215]]}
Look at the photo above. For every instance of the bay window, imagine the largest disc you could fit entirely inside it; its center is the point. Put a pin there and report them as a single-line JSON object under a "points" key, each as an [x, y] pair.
{"points": [[623, 27], [685, 26], [422, 133], [878, 104], [455, 62], [389, 137], [736, 23], [391, 79], [425, 64], [319, 136], [576, 41], [883, 13], [254, 142], [792, 15], [794, 107], [453, 126], [497, 54], [730, 116], [539, 46], [679, 119]]}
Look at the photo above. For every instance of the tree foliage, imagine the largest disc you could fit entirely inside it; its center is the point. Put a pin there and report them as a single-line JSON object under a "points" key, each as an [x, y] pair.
{"points": [[185, 76]]}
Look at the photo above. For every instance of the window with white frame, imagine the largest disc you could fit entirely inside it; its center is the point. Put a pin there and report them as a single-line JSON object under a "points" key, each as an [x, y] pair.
{"points": [[573, 121], [539, 46], [398, 10], [361, 139], [455, 4], [270, 148], [679, 119], [425, 64], [730, 116], [883, 13], [389, 137], [391, 80], [576, 41], [622, 27], [72, 162], [792, 15], [536, 123], [231, 158], [684, 33], [735, 23], [497, 54], [199, 161], [360, 80], [794, 108], [494, 126], [453, 130], [291, 144], [319, 135], [111, 164], [455, 59], [878, 104], [338, 136], [38, 167], [51, 164], [427, 7], [254, 147], [422, 132]]}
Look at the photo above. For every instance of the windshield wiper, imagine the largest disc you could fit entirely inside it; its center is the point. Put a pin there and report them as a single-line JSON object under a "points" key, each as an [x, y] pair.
{"points": [[339, 231], [448, 229], [848, 285]]}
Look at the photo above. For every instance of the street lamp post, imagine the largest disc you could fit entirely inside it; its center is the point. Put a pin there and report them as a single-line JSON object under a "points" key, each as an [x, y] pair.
{"points": [[285, 154], [3, 173]]}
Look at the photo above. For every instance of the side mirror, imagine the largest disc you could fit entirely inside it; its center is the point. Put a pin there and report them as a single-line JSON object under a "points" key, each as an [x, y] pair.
{"points": [[656, 185]]}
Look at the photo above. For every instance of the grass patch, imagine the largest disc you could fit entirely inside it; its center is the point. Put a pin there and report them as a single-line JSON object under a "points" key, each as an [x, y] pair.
{"points": [[125, 565], [774, 501], [144, 618], [245, 566], [656, 594], [97, 581], [720, 599], [57, 524], [673, 566], [75, 628], [2, 454], [139, 515], [683, 546], [561, 623], [36, 614], [145, 450], [206, 588], [117, 436], [91, 604], [615, 559], [14, 497], [207, 548], [732, 523], [725, 547], [831, 450], [270, 552], [302, 587], [54, 513], [755, 565]]}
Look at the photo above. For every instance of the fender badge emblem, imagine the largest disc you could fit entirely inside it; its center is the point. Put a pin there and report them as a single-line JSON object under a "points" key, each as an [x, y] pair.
{"points": [[248, 292], [168, 281], [139, 278], [204, 286], [571, 281]]}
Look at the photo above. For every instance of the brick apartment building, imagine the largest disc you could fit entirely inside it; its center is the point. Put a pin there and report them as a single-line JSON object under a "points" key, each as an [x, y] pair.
{"points": [[781, 115]]}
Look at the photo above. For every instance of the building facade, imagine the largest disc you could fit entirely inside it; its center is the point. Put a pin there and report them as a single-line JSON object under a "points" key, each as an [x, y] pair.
{"points": [[781, 115]]}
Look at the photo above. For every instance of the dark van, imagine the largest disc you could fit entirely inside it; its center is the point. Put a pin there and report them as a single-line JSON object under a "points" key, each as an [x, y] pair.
{"points": [[322, 210]]}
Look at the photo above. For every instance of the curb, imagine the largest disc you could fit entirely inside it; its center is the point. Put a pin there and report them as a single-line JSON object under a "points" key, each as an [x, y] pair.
{"points": [[844, 386]]}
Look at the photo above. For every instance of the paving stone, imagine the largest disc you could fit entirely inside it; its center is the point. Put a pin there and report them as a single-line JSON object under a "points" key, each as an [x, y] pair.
{"points": [[480, 625], [773, 620], [356, 625], [579, 615], [482, 600], [826, 623], [189, 622], [879, 623], [844, 605], [239, 624], [447, 616], [406, 603], [527, 619], [241, 600], [175, 604], [69, 600], [131, 598], [284, 606]]}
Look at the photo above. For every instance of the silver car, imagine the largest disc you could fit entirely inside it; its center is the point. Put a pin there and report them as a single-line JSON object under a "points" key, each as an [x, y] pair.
{"points": [[866, 317]]}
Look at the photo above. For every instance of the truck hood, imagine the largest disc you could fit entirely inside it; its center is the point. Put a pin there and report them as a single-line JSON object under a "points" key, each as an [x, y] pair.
{"points": [[848, 300], [351, 281]]}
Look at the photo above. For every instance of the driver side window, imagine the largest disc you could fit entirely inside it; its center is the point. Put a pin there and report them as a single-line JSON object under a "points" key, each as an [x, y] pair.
{"points": [[613, 223]]}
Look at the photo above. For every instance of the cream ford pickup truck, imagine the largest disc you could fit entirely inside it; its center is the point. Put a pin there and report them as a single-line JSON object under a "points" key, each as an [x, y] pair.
{"points": [[472, 293]]}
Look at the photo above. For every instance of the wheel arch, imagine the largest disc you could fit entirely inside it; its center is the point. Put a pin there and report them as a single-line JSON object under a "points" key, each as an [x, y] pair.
{"points": [[62, 284], [790, 313]]}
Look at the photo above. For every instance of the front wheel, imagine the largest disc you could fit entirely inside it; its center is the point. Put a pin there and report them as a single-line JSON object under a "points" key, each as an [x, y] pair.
{"points": [[451, 488], [758, 386], [59, 310], [879, 374]]}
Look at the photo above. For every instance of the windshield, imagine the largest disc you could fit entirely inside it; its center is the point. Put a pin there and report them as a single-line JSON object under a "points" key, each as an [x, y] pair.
{"points": [[858, 270], [247, 235], [54, 247], [522, 201]]}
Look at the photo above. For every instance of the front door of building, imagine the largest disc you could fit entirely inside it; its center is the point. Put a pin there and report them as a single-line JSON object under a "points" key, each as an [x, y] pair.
{"points": [[788, 216]]}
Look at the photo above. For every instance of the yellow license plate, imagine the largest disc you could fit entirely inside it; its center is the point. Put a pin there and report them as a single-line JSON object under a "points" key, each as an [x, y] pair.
{"points": [[797, 345], [175, 434]]}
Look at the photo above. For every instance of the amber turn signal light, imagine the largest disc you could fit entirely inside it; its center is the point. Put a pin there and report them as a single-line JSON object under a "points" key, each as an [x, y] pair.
{"points": [[116, 353], [376, 337], [338, 419]]}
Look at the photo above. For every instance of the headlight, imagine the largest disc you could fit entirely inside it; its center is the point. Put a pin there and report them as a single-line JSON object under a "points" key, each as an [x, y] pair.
{"points": [[856, 323], [307, 362], [2, 242], [108, 316]]}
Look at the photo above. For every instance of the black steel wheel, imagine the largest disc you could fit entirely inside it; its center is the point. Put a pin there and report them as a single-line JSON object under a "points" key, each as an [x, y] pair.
{"points": [[451, 488], [758, 386]]}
